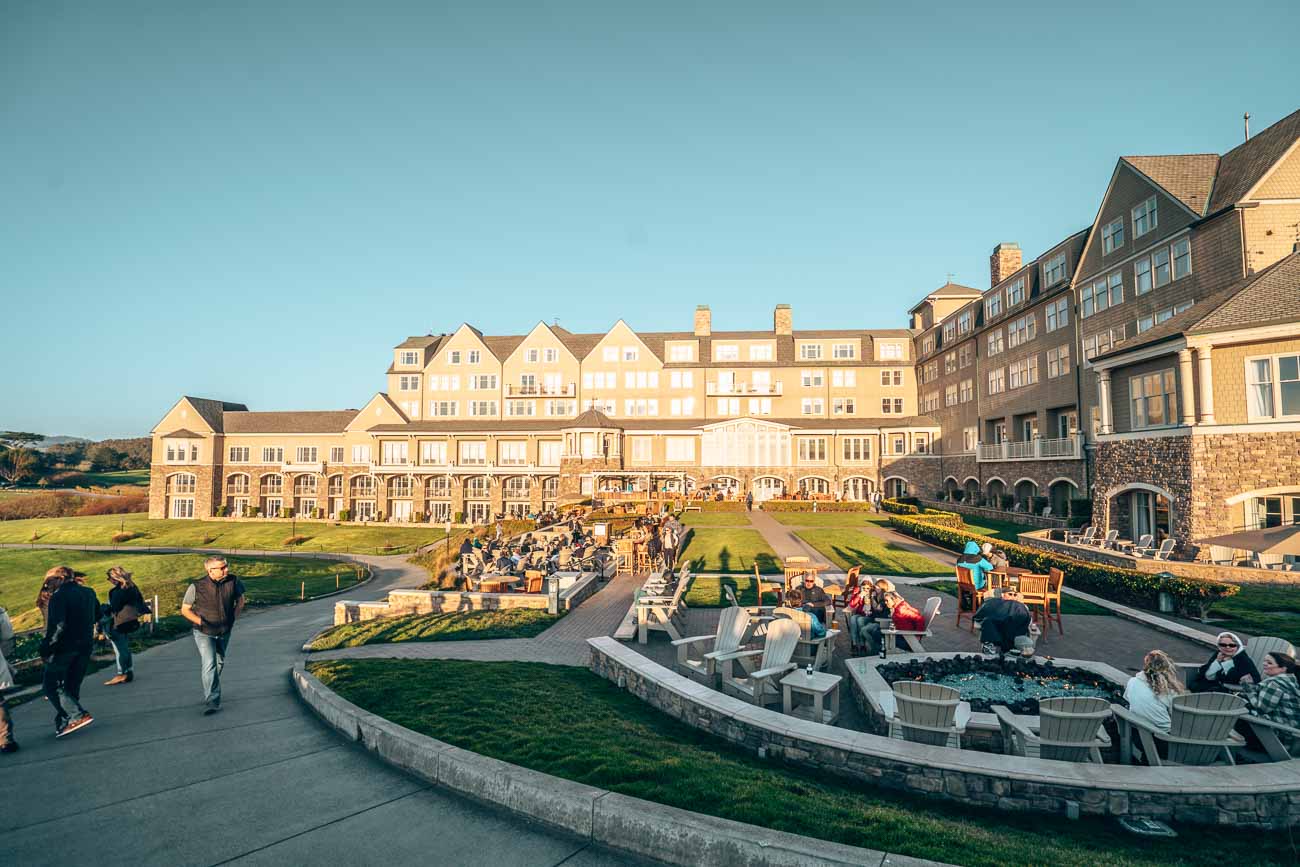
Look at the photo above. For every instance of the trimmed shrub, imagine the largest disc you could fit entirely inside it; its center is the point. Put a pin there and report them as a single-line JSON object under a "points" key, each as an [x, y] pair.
{"points": [[899, 507], [807, 506], [223, 510], [1040, 503], [294, 540], [119, 538], [345, 514], [1006, 501], [720, 505], [286, 512]]}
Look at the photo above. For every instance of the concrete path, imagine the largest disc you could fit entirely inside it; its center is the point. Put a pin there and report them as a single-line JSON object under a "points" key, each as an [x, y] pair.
{"points": [[153, 781]]}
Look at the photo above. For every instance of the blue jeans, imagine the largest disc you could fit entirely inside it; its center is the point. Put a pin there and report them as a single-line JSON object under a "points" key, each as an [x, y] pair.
{"points": [[121, 648], [212, 653], [864, 630]]}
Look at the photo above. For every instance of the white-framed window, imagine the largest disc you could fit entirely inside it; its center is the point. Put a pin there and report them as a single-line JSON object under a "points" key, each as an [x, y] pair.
{"points": [[679, 449], [561, 408], [1273, 387], [726, 352], [682, 406], [471, 452], [1058, 314], [1102, 294], [336, 454], [444, 382], [967, 392], [1160, 267], [443, 408], [1058, 361], [641, 379], [361, 454], [993, 305], [930, 401], [483, 382], [551, 355], [453, 357], [1142, 276], [272, 455], [810, 351], [812, 406], [434, 452], [1144, 217], [600, 379], [1021, 330], [681, 352], [1024, 372], [239, 454], [518, 408], [927, 345], [1182, 257], [409, 357], [181, 451], [182, 507], [609, 353], [844, 378], [531, 356], [812, 378], [483, 408], [890, 351], [966, 355], [812, 450], [950, 362], [640, 407], [548, 453], [969, 437], [1104, 341], [1112, 235], [605, 406], [950, 395], [964, 320], [760, 406], [631, 353], [512, 453], [760, 352], [891, 378], [996, 343], [1151, 397], [641, 447], [1146, 323], [842, 406], [394, 452], [997, 380], [411, 408], [921, 443], [843, 350], [898, 444], [1016, 292], [856, 448], [305, 454], [408, 383], [474, 356], [891, 406], [949, 331]]}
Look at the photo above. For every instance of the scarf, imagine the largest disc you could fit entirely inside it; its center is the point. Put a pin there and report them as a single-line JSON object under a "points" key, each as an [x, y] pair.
{"points": [[1223, 666]]}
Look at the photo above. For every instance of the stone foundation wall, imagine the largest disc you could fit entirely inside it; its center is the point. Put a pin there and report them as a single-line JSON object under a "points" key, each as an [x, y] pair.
{"points": [[1163, 462], [1225, 465]]}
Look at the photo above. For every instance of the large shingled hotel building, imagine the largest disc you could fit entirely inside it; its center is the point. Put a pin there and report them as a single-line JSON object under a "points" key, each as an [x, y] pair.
{"points": [[1149, 362]]}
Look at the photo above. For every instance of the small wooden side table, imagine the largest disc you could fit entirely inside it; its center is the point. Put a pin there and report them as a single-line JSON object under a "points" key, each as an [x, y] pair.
{"points": [[817, 687]]}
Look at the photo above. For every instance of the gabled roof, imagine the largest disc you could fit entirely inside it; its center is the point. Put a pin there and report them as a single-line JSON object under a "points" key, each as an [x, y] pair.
{"points": [[1187, 177], [424, 342], [211, 411], [1241, 168], [947, 290], [327, 421], [1270, 297], [184, 433]]}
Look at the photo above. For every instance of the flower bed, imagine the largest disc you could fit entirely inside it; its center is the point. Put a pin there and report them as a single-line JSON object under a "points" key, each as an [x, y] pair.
{"points": [[1017, 684]]}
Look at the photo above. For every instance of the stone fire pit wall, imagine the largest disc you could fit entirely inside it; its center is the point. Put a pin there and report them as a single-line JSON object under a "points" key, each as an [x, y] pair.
{"points": [[404, 602], [1248, 795]]}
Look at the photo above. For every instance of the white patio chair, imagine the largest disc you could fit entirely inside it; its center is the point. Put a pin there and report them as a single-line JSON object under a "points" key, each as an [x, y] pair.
{"points": [[1280, 741], [1268, 561], [1107, 541], [763, 669], [1166, 549], [730, 634], [1084, 537], [1070, 729], [1221, 556], [925, 713], [809, 651], [1200, 730], [1047, 511], [913, 637], [1143, 547], [661, 614]]}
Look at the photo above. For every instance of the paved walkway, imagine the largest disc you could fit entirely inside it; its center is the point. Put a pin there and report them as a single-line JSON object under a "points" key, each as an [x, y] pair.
{"points": [[153, 781]]}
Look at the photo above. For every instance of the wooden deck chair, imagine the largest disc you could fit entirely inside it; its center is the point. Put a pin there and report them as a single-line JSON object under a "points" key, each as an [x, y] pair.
{"points": [[840, 603], [968, 597], [1200, 730], [912, 637], [1070, 729], [767, 586], [533, 580], [816, 652], [1052, 608], [623, 557], [660, 613], [925, 713], [1033, 592], [762, 669], [733, 623]]}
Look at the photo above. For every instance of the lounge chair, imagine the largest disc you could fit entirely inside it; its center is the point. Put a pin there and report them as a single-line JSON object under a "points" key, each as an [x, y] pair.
{"points": [[925, 713], [816, 652], [1144, 546], [1070, 729], [1083, 537], [1269, 561], [732, 626], [1200, 730], [1280, 741], [661, 613], [913, 636], [1166, 548], [1221, 556], [1256, 648], [1107, 541], [763, 669]]}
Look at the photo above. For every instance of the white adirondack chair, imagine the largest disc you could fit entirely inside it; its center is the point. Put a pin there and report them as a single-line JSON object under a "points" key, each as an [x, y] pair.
{"points": [[661, 614], [1083, 538], [1221, 556], [1070, 729], [925, 713], [809, 650], [732, 626], [1166, 548], [1200, 730], [1280, 741], [763, 669], [913, 636], [1144, 547], [1269, 561], [1107, 541]]}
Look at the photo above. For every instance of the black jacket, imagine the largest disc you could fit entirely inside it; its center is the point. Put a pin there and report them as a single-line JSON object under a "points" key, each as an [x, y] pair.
{"points": [[70, 622], [1242, 665], [120, 597]]}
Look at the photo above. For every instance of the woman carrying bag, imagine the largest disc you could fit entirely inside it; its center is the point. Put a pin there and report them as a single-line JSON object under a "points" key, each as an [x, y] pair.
{"points": [[125, 607]]}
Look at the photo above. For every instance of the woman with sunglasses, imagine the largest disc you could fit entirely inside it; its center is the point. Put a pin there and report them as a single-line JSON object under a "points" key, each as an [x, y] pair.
{"points": [[1228, 665]]}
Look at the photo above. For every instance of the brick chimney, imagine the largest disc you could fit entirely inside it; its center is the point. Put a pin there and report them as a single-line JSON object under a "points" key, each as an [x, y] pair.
{"points": [[703, 321], [783, 320], [1004, 262]]}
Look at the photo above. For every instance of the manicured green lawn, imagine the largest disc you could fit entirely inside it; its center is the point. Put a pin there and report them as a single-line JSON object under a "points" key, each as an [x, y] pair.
{"points": [[714, 519], [706, 591], [1069, 604], [269, 580], [570, 723], [848, 547], [724, 549], [321, 536], [1004, 530], [449, 626], [823, 519], [136, 478], [1260, 609]]}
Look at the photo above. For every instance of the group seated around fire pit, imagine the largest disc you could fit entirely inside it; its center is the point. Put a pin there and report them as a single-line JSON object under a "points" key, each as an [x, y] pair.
{"points": [[528, 559]]}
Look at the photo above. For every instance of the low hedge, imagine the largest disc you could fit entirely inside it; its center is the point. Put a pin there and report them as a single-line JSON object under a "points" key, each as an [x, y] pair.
{"points": [[902, 506], [718, 505], [1194, 596], [808, 506]]}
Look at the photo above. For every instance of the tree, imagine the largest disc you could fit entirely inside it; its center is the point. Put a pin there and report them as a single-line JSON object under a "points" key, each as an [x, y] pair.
{"points": [[16, 438], [16, 464], [104, 457]]}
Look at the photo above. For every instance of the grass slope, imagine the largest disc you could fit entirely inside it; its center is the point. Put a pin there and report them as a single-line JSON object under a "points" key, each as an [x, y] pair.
{"points": [[321, 536], [570, 723], [848, 547], [727, 549], [448, 626], [1260, 609], [267, 580]]}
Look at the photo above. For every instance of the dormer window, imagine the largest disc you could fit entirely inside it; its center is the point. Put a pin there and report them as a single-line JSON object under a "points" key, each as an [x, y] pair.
{"points": [[1054, 270], [810, 351], [726, 352], [993, 306], [964, 322], [1016, 292], [409, 357]]}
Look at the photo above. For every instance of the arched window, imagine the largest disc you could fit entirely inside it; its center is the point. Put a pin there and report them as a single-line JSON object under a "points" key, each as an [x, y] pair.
{"points": [[237, 483], [516, 488], [438, 487], [895, 487], [272, 483], [550, 487], [476, 487], [814, 485], [363, 486], [399, 486], [336, 486], [858, 488], [304, 486], [181, 483]]}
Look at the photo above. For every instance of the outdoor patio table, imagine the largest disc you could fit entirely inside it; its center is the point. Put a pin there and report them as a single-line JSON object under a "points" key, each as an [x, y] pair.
{"points": [[817, 687], [490, 585]]}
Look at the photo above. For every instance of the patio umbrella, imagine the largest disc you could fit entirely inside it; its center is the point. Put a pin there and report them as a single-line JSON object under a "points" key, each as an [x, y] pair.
{"points": [[1274, 540]]}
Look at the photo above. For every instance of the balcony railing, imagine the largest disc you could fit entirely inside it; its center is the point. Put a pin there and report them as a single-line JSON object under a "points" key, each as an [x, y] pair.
{"points": [[1037, 449], [743, 389], [303, 467], [567, 390]]}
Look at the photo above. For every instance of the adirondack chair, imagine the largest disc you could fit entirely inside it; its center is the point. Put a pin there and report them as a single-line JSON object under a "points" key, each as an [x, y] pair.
{"points": [[1166, 548], [1047, 511], [1256, 648], [969, 598], [1221, 556], [912, 636], [1269, 561], [809, 651], [660, 613], [763, 669], [1200, 730], [1144, 546], [1107, 541], [925, 713], [1280, 741], [1070, 729], [1083, 537], [730, 634]]}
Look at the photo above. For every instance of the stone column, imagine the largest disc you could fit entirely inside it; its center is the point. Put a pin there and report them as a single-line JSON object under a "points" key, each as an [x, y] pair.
{"points": [[1186, 388], [1103, 401], [1207, 384]]}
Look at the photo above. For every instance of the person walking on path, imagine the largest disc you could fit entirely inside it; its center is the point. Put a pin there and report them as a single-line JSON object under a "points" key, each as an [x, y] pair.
{"points": [[7, 742], [749, 501], [69, 639], [213, 604], [125, 608]]}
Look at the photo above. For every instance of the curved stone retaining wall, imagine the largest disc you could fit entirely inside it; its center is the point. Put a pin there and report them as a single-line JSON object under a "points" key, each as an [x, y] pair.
{"points": [[1249, 795], [404, 602]]}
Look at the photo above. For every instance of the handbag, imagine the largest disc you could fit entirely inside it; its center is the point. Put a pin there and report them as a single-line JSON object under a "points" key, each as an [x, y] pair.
{"points": [[127, 619]]}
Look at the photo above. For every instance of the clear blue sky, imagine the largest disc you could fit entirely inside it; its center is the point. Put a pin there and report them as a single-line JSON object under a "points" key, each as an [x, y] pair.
{"points": [[256, 200]]}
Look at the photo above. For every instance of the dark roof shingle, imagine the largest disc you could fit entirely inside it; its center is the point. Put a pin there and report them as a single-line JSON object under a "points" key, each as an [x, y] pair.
{"points": [[1187, 177], [305, 422], [1243, 166], [212, 410]]}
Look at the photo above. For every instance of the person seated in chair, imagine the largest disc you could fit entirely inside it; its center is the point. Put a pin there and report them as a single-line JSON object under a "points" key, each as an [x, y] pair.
{"points": [[795, 599], [864, 632], [1004, 626], [1276, 697], [1230, 664], [972, 560], [814, 597], [466, 546]]}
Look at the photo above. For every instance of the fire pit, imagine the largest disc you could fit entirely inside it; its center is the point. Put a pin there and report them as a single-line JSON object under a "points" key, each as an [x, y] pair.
{"points": [[1018, 684]]}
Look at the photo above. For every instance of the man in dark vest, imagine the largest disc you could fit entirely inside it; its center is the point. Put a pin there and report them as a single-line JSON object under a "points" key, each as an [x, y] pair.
{"points": [[212, 604], [69, 637]]}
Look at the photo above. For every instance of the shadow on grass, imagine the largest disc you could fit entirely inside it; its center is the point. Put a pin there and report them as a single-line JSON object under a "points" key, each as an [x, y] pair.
{"points": [[875, 565]]}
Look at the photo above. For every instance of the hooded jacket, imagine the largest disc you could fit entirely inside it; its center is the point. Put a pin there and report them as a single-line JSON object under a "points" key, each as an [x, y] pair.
{"points": [[972, 559]]}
